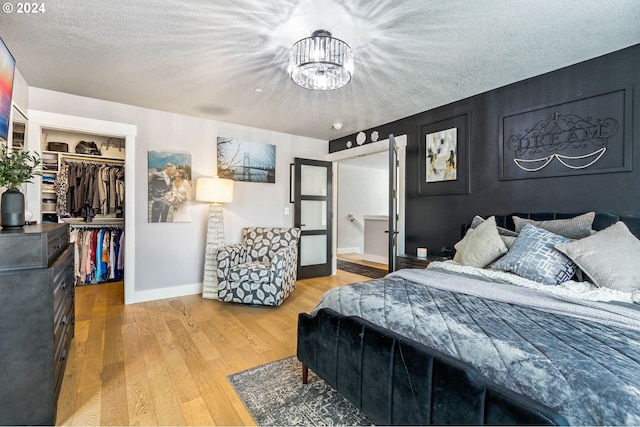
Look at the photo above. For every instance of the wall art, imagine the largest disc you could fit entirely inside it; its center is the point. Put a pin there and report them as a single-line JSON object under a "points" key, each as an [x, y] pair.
{"points": [[585, 136], [444, 157], [246, 161], [170, 190]]}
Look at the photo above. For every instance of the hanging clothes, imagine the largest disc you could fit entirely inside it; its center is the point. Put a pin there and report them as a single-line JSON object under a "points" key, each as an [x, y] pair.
{"points": [[61, 187], [89, 189], [99, 251]]}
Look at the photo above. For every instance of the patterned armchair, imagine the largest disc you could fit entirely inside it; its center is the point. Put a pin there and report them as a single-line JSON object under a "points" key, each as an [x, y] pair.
{"points": [[261, 270]]}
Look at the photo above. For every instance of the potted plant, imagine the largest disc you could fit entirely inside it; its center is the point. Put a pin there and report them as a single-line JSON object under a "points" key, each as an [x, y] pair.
{"points": [[16, 168]]}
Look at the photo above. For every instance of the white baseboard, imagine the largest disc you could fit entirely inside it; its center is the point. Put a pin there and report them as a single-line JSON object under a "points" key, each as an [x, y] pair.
{"points": [[354, 250], [170, 292], [375, 258]]}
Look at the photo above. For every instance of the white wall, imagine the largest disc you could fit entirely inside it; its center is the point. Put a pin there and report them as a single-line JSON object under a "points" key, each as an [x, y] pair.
{"points": [[361, 191], [20, 91], [169, 257]]}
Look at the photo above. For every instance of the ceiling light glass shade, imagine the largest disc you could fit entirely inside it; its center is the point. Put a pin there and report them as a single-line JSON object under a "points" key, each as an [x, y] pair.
{"points": [[321, 62]]}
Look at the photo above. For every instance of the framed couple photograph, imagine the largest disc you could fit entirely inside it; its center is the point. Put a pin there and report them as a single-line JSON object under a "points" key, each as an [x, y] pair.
{"points": [[170, 186], [444, 157]]}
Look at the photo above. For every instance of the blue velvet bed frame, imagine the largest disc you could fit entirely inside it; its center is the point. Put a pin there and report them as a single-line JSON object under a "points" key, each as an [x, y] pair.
{"points": [[397, 381]]}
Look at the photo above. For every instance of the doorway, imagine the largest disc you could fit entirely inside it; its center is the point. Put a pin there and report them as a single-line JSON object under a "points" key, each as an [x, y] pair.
{"points": [[361, 200], [40, 122]]}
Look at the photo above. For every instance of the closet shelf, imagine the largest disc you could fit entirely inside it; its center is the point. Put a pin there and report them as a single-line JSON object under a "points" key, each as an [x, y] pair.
{"points": [[89, 157]]}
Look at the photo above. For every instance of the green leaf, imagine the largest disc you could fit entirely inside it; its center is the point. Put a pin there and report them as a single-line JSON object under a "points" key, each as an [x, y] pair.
{"points": [[17, 167]]}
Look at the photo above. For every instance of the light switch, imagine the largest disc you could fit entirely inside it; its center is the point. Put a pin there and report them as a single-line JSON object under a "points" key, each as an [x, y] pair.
{"points": [[286, 211]]}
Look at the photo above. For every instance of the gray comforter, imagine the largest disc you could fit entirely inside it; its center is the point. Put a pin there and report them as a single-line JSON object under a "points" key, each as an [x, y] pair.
{"points": [[580, 358]]}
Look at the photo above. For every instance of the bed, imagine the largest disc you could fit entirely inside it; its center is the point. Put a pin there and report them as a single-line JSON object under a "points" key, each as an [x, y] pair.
{"points": [[461, 344]]}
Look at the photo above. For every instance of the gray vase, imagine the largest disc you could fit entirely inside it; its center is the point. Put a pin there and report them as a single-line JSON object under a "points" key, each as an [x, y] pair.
{"points": [[12, 209]]}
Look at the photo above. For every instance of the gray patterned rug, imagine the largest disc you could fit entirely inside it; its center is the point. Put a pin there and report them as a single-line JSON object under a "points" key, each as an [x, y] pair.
{"points": [[275, 396], [363, 270]]}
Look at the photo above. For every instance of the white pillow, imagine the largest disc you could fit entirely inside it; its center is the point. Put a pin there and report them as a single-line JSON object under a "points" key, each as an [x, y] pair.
{"points": [[610, 257], [480, 246]]}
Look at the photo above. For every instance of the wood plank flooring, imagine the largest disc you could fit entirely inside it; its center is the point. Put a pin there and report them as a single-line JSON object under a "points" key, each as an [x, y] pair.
{"points": [[165, 362], [358, 259]]}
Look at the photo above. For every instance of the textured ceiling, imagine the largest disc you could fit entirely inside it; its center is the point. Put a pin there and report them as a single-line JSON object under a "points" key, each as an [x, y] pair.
{"points": [[204, 58]]}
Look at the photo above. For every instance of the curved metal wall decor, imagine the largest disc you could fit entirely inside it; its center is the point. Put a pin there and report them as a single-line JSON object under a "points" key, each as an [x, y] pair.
{"points": [[562, 133], [585, 136]]}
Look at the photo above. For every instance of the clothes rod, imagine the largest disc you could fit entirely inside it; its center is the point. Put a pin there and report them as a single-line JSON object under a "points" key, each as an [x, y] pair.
{"points": [[71, 156], [96, 224]]}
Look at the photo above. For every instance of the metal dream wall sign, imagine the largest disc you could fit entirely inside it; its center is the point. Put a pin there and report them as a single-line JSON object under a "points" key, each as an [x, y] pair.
{"points": [[585, 136]]}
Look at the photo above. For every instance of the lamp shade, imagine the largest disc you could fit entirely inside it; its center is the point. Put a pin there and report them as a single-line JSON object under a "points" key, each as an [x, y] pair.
{"points": [[214, 190]]}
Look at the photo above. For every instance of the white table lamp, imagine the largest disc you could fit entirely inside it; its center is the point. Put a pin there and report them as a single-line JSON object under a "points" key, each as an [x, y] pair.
{"points": [[215, 191]]}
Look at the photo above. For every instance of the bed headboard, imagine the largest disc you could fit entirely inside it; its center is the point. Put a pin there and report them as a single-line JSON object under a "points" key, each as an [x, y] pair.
{"points": [[600, 222]]}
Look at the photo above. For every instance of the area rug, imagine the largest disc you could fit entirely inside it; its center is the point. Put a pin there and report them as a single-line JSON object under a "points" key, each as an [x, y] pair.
{"points": [[363, 270], [275, 396]]}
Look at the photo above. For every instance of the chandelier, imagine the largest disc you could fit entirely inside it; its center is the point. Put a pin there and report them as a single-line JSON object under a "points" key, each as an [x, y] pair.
{"points": [[321, 62]]}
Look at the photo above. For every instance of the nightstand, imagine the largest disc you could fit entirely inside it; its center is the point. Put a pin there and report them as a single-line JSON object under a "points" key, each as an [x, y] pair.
{"points": [[412, 261]]}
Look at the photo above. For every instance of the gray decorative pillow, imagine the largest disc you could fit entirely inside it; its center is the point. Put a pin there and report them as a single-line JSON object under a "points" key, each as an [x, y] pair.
{"points": [[609, 257], [477, 220], [508, 240], [573, 228], [534, 257], [480, 246]]}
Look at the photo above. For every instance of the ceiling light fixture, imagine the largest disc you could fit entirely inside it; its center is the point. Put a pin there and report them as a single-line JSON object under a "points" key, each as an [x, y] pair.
{"points": [[321, 62]]}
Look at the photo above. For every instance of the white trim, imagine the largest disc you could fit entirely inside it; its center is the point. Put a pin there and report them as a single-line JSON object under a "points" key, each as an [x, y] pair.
{"points": [[375, 258], [42, 119], [363, 150], [376, 217], [20, 110], [353, 250], [82, 124], [170, 292]]}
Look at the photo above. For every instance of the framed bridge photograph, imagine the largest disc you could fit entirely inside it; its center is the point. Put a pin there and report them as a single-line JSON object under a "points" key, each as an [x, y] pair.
{"points": [[246, 161]]}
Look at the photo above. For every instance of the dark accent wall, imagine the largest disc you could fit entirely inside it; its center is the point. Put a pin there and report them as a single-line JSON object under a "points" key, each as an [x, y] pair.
{"points": [[434, 221]]}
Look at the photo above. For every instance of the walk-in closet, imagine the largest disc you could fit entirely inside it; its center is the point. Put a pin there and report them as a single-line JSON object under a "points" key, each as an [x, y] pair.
{"points": [[84, 184]]}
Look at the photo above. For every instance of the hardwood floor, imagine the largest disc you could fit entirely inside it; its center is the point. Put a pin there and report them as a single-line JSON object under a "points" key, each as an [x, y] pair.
{"points": [[165, 362]]}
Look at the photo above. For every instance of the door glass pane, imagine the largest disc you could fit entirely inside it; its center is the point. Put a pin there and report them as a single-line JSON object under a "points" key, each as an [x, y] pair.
{"points": [[313, 180], [313, 250], [313, 214]]}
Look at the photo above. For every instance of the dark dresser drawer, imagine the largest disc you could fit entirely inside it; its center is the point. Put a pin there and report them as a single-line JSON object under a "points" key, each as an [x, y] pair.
{"points": [[37, 299], [62, 281], [33, 246]]}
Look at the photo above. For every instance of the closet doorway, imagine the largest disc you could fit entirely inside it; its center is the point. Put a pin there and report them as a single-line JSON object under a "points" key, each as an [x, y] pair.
{"points": [[91, 188], [361, 198]]}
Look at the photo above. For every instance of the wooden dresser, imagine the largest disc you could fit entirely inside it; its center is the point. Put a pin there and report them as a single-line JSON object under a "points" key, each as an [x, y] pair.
{"points": [[37, 312]]}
